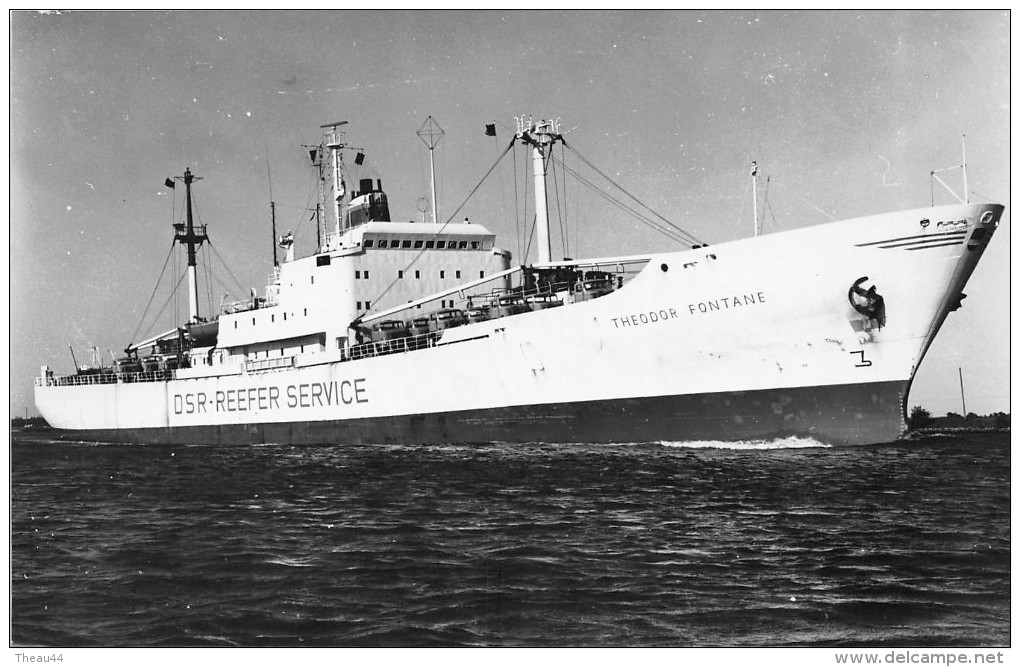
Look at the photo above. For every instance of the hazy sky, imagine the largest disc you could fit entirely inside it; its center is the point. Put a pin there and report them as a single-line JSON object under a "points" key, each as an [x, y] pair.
{"points": [[847, 112]]}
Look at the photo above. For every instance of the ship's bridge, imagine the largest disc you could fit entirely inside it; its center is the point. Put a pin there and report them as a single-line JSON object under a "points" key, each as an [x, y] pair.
{"points": [[378, 265], [398, 262], [419, 236]]}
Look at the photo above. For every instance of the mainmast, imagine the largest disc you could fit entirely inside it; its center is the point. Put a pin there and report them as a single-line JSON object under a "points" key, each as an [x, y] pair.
{"points": [[335, 143], [193, 237], [541, 135]]}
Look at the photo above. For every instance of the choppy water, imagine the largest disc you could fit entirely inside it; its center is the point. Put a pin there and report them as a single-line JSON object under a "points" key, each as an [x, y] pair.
{"points": [[703, 544]]}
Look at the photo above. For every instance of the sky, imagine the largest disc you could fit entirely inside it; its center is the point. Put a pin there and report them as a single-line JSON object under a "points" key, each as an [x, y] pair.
{"points": [[846, 112]]}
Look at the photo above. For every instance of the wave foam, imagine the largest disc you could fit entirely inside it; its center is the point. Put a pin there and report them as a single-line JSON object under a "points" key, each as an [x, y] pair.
{"points": [[791, 442]]}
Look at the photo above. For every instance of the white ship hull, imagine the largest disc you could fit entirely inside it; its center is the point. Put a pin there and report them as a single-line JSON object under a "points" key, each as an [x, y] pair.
{"points": [[749, 339]]}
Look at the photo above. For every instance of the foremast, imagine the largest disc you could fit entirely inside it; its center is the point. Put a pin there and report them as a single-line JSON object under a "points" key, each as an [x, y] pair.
{"points": [[541, 136]]}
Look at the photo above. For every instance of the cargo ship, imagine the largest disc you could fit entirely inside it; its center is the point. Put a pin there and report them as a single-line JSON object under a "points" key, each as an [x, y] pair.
{"points": [[426, 332]]}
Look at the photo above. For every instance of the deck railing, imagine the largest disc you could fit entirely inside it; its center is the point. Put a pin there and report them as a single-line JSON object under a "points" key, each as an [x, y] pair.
{"points": [[407, 343], [104, 378]]}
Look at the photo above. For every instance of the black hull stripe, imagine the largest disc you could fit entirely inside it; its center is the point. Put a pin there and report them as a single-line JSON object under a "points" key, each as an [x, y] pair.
{"points": [[843, 415], [919, 237], [936, 245], [928, 243]]}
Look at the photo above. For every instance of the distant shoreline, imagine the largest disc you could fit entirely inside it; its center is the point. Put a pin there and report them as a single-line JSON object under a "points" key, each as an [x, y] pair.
{"points": [[955, 430]]}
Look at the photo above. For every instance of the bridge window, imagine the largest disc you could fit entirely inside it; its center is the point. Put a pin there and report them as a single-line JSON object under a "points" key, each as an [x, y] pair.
{"points": [[419, 244], [440, 244], [382, 243], [369, 243], [462, 244], [406, 243], [474, 245], [430, 244]]}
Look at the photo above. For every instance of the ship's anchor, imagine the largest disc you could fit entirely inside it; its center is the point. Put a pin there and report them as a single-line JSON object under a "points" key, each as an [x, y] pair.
{"points": [[867, 302]]}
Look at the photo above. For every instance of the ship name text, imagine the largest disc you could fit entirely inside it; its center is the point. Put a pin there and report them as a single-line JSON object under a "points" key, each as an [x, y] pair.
{"points": [[662, 314], [726, 303], [650, 317], [272, 397]]}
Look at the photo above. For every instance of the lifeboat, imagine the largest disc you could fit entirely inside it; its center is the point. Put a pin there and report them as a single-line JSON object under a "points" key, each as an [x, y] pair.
{"points": [[203, 334]]}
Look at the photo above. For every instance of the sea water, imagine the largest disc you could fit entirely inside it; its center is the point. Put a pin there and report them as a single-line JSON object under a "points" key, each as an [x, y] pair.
{"points": [[772, 543]]}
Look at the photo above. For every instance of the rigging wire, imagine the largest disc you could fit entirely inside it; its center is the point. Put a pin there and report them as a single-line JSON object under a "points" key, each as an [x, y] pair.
{"points": [[173, 293], [566, 200], [669, 233], [162, 310], [559, 214], [692, 240], [767, 206], [478, 185], [525, 243], [529, 237], [440, 230], [517, 208], [237, 282], [134, 336], [830, 217], [312, 193], [772, 212], [502, 196], [207, 263]]}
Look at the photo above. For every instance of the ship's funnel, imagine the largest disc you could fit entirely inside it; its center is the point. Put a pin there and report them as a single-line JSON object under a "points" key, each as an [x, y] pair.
{"points": [[368, 204]]}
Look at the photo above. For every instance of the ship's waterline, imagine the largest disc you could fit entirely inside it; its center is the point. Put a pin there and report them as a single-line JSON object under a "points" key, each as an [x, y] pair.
{"points": [[842, 415]]}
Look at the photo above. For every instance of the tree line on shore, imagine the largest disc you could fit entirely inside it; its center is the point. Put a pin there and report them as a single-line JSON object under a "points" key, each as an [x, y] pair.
{"points": [[922, 418]]}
